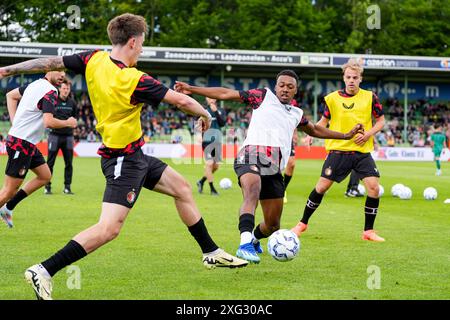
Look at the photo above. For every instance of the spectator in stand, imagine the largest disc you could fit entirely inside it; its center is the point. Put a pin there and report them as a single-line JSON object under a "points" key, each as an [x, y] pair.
{"points": [[390, 139], [91, 136], [422, 113], [381, 138]]}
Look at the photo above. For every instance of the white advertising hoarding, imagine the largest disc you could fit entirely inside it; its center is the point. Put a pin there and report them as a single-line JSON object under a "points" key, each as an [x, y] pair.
{"points": [[407, 154]]}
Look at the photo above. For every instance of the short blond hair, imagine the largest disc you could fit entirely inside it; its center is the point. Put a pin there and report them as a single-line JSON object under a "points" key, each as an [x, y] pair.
{"points": [[353, 64]]}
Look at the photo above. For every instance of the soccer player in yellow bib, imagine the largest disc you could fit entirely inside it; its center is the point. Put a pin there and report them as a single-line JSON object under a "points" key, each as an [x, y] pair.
{"points": [[344, 109], [117, 91]]}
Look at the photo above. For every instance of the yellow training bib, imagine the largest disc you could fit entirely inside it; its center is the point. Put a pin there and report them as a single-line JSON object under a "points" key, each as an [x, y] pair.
{"points": [[345, 113], [110, 90]]}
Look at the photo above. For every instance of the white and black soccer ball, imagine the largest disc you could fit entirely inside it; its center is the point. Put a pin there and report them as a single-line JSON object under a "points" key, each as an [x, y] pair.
{"points": [[405, 193], [430, 193], [225, 183], [283, 245], [395, 190], [361, 189]]}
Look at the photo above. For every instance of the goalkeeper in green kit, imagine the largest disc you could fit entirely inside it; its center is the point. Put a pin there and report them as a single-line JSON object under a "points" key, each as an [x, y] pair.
{"points": [[438, 143]]}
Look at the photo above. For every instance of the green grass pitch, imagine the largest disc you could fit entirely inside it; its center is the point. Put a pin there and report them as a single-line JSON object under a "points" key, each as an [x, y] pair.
{"points": [[154, 257]]}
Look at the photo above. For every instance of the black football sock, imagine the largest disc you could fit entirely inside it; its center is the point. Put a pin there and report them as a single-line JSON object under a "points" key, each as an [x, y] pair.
{"points": [[246, 222], [257, 233], [202, 180], [371, 210], [72, 252], [19, 196], [286, 179], [246, 226], [211, 186], [201, 235], [353, 181], [312, 204]]}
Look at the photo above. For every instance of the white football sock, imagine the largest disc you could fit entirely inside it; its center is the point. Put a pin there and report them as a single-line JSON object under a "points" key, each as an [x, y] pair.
{"points": [[246, 237]]}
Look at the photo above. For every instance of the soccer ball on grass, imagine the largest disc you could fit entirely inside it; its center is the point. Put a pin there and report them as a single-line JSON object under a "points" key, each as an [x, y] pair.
{"points": [[225, 183], [283, 245], [430, 193], [405, 193], [395, 190]]}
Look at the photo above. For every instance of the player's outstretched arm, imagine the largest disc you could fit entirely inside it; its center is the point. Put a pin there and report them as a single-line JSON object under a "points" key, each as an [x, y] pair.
{"points": [[33, 66], [190, 106], [324, 133], [323, 122], [218, 93]]}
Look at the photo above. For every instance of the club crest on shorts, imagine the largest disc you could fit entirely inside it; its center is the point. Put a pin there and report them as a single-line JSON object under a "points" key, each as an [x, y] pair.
{"points": [[254, 168], [22, 172], [328, 171], [131, 197]]}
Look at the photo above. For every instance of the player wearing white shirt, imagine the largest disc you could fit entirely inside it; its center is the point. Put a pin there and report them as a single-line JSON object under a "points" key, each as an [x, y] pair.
{"points": [[31, 110], [265, 153]]}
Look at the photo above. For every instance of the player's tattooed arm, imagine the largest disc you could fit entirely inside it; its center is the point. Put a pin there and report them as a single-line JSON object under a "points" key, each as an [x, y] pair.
{"points": [[33, 66]]}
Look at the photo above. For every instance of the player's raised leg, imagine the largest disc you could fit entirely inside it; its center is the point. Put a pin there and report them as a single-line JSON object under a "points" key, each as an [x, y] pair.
{"points": [[108, 227], [9, 189], [173, 184], [43, 176]]}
